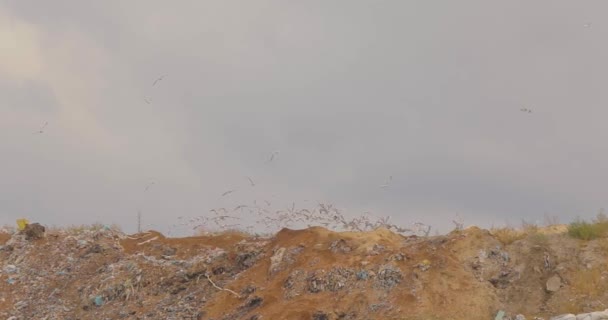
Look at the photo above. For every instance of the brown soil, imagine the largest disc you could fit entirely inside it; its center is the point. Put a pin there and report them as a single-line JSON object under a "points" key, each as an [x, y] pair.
{"points": [[4, 237], [300, 274]]}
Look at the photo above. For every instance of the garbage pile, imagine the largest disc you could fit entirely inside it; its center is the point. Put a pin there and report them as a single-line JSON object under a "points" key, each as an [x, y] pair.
{"points": [[98, 272]]}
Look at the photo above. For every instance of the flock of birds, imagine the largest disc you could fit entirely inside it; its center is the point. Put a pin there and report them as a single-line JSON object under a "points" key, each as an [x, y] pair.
{"points": [[323, 216]]}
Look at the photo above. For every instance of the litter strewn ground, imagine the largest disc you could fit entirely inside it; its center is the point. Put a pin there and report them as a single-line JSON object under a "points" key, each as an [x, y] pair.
{"points": [[102, 273]]}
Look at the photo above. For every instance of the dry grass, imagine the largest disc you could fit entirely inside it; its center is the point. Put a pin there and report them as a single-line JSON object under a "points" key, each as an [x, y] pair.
{"points": [[201, 232], [571, 306], [508, 235], [589, 282], [79, 229]]}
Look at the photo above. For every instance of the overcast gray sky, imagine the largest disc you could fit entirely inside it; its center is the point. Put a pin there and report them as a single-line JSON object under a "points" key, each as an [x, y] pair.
{"points": [[350, 92]]}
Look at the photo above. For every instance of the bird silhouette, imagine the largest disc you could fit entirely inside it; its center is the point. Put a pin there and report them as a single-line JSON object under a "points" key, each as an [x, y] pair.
{"points": [[149, 185], [159, 79], [387, 183], [273, 155], [227, 193], [42, 128]]}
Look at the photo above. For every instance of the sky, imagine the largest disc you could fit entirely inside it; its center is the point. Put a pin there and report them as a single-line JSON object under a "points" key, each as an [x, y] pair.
{"points": [[349, 93]]}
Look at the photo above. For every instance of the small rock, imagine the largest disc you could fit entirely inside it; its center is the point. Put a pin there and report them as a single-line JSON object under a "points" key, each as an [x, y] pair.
{"points": [[34, 231], [520, 317], [554, 283], [599, 315]]}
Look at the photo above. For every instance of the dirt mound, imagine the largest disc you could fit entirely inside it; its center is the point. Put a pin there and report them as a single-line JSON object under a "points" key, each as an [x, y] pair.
{"points": [[298, 274]]}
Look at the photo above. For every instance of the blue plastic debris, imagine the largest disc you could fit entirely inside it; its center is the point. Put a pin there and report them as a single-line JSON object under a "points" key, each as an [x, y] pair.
{"points": [[11, 281], [98, 301], [362, 275]]}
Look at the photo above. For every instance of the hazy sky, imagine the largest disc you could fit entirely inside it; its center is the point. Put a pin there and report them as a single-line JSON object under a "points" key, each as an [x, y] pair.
{"points": [[350, 92]]}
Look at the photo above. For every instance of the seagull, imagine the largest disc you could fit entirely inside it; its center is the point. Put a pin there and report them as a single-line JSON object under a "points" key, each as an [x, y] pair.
{"points": [[159, 79], [525, 110], [42, 128], [149, 185], [273, 155], [227, 193], [387, 183], [251, 181]]}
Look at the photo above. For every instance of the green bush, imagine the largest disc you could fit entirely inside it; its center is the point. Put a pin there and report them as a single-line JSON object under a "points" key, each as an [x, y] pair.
{"points": [[584, 230]]}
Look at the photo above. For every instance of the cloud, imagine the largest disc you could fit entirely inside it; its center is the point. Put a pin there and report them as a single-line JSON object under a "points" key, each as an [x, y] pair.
{"points": [[349, 94]]}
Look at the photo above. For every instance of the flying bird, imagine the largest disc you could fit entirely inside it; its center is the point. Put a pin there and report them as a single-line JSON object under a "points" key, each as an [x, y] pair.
{"points": [[273, 155], [159, 79], [149, 185], [227, 193], [42, 128], [525, 110], [251, 181], [387, 183], [147, 100]]}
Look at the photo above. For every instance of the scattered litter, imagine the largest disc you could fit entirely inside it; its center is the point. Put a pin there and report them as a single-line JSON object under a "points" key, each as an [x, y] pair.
{"points": [[362, 275], [149, 240], [98, 300], [10, 268], [21, 224], [500, 315]]}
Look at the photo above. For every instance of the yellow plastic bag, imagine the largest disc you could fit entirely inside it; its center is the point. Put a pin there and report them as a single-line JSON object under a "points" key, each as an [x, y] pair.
{"points": [[21, 223]]}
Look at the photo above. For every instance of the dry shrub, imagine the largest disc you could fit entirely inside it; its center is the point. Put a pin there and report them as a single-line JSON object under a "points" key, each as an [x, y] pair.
{"points": [[588, 282], [584, 230], [507, 235], [570, 306], [529, 228]]}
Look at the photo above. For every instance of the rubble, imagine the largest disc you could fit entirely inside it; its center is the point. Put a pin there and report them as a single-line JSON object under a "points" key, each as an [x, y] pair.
{"points": [[102, 273], [554, 283], [34, 231]]}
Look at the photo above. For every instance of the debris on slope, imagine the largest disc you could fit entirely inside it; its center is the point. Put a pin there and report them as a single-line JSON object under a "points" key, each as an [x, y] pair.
{"points": [[101, 273]]}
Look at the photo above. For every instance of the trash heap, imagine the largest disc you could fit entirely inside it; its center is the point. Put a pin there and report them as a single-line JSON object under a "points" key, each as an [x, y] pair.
{"points": [[98, 272]]}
